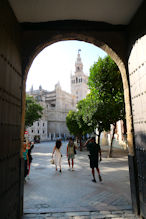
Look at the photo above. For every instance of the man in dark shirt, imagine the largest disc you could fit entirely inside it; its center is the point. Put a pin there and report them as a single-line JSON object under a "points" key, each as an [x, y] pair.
{"points": [[95, 152]]}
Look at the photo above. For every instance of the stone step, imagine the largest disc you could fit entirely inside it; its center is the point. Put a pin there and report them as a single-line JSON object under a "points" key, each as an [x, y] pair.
{"points": [[125, 214]]}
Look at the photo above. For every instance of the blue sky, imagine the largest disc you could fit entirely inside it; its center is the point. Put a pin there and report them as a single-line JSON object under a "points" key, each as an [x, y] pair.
{"points": [[57, 61]]}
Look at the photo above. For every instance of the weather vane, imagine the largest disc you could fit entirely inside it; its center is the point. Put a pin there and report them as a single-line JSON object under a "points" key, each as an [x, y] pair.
{"points": [[79, 50]]}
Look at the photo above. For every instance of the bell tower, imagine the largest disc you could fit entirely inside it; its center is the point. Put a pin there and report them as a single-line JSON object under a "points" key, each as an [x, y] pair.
{"points": [[79, 80], [78, 63]]}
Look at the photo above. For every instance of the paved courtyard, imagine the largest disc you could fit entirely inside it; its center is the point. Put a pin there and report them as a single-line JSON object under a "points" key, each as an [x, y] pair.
{"points": [[48, 192]]}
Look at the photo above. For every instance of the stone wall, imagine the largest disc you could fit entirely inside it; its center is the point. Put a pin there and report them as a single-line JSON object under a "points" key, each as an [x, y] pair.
{"points": [[10, 113]]}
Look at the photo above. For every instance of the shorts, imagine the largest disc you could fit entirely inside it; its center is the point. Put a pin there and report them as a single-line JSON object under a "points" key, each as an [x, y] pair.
{"points": [[93, 161], [71, 156]]}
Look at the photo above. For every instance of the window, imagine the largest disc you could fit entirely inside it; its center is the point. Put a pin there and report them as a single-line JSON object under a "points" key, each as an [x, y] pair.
{"points": [[38, 131], [32, 130], [43, 131], [43, 124], [52, 105]]}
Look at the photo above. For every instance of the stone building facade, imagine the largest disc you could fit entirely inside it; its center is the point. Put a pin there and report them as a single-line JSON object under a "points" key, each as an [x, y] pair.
{"points": [[57, 104]]}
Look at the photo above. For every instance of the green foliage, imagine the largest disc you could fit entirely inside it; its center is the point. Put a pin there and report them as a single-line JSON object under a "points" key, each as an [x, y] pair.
{"points": [[86, 109], [93, 113], [105, 84], [33, 111], [83, 125], [72, 124], [105, 103], [75, 124]]}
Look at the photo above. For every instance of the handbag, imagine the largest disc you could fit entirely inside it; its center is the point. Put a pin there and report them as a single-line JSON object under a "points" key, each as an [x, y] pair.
{"points": [[52, 161]]}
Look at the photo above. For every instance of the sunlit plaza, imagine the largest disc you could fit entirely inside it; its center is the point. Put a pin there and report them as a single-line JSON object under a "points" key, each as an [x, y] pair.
{"points": [[73, 191]]}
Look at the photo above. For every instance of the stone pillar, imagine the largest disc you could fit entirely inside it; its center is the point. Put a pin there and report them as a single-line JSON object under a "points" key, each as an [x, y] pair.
{"points": [[49, 136]]}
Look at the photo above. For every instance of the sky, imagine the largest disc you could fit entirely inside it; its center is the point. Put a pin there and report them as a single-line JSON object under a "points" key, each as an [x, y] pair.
{"points": [[56, 63]]}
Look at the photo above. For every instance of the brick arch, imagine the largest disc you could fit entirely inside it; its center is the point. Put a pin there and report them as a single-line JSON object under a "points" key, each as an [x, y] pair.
{"points": [[37, 48]]}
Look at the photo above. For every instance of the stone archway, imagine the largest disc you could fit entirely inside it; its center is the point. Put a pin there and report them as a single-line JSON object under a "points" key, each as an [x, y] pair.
{"points": [[110, 44], [18, 43], [110, 52]]}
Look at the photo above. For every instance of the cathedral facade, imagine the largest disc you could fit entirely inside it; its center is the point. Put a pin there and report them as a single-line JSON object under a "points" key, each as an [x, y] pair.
{"points": [[57, 104]]}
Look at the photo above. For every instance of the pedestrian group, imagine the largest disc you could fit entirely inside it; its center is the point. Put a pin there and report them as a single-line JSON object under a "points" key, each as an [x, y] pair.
{"points": [[92, 147], [28, 146], [94, 155]]}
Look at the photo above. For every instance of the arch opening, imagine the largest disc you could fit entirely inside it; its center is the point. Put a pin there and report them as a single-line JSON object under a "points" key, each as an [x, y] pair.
{"points": [[122, 69], [86, 38]]}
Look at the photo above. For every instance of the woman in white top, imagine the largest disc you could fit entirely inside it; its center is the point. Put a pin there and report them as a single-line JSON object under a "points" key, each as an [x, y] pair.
{"points": [[57, 154]]}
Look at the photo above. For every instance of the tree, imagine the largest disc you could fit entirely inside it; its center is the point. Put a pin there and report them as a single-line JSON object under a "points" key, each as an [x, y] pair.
{"points": [[76, 125], [106, 84], [93, 114], [33, 111]]}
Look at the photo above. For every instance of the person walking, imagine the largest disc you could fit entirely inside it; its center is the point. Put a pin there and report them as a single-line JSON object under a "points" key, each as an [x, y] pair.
{"points": [[56, 155], [71, 152], [30, 146], [95, 152], [25, 156]]}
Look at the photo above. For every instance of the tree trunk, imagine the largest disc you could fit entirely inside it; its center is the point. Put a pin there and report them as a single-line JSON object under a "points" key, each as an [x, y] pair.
{"points": [[99, 134], [111, 144], [80, 143]]}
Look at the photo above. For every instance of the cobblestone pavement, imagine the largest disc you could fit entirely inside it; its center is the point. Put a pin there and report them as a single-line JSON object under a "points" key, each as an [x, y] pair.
{"points": [[72, 194]]}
